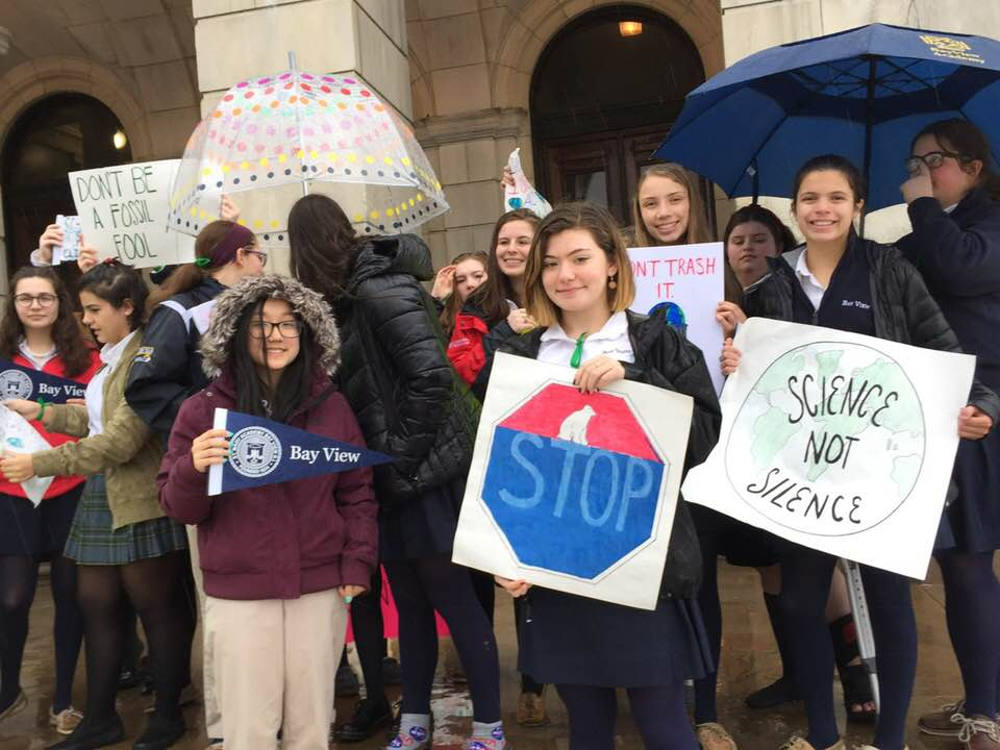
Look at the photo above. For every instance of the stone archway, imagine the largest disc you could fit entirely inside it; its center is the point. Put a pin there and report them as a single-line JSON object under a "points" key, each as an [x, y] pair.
{"points": [[540, 21], [35, 79]]}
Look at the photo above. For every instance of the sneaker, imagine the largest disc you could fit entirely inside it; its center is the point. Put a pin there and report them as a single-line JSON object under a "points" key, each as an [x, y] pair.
{"points": [[943, 723], [713, 736], [88, 734], [346, 682], [417, 738], [801, 743], [19, 704], [979, 733], [369, 716], [495, 741], [215, 743], [531, 710], [66, 720]]}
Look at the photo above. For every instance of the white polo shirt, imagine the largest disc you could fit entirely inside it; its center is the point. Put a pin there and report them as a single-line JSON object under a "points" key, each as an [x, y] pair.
{"points": [[110, 355], [557, 348], [809, 283]]}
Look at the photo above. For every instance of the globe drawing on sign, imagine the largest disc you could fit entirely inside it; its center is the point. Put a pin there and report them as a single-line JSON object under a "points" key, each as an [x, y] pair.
{"points": [[830, 440], [674, 314]]}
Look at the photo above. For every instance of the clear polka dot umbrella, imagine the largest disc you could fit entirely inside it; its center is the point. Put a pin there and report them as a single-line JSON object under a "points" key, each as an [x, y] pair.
{"points": [[274, 138]]}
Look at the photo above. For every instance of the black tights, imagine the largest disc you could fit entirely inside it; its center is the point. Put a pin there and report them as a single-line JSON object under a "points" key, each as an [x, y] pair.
{"points": [[805, 586], [658, 712], [369, 636], [435, 583], [156, 589], [18, 579], [972, 609]]}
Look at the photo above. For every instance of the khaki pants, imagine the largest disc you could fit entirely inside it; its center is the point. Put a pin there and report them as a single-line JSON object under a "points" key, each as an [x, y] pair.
{"points": [[275, 661], [213, 716]]}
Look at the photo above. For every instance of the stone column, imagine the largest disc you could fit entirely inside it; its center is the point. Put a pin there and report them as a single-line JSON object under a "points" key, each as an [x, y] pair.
{"points": [[237, 39]]}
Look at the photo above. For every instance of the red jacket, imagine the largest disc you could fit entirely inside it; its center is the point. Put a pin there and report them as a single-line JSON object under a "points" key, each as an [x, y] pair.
{"points": [[278, 541], [465, 350], [54, 366]]}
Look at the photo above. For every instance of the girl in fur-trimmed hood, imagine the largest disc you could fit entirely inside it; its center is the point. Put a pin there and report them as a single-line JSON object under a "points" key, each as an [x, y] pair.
{"points": [[278, 560]]}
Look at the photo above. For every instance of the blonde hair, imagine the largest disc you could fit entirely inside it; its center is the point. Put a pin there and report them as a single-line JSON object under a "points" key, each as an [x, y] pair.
{"points": [[697, 228], [602, 228]]}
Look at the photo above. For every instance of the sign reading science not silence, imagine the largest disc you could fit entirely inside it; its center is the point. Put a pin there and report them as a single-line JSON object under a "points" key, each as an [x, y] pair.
{"points": [[575, 492], [836, 441]]}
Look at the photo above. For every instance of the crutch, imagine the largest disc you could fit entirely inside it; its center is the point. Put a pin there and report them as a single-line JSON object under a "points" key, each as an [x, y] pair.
{"points": [[862, 623]]}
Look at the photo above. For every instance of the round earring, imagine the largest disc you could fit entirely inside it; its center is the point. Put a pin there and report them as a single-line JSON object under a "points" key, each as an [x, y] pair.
{"points": [[612, 283]]}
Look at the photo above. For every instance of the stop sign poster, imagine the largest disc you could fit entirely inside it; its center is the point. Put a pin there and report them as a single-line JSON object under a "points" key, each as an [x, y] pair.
{"points": [[575, 492], [836, 441]]}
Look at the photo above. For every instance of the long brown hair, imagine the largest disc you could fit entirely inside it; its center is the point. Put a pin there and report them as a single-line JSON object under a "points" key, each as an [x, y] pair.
{"points": [[189, 275], [70, 345], [454, 303], [602, 227], [491, 298], [323, 244], [697, 228]]}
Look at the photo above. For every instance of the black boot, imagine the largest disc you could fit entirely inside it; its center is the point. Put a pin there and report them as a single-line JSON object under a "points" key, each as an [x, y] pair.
{"points": [[346, 682], [784, 689], [370, 715], [161, 732], [90, 735], [853, 677]]}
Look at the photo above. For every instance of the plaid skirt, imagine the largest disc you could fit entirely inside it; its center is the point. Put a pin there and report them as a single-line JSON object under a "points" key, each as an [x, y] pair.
{"points": [[92, 541]]}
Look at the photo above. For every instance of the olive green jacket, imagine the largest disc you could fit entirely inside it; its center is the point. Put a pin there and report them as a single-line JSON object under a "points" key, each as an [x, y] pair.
{"points": [[128, 452]]}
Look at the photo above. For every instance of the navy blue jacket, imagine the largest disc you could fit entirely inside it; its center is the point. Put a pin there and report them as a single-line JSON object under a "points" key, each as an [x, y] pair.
{"points": [[958, 255]]}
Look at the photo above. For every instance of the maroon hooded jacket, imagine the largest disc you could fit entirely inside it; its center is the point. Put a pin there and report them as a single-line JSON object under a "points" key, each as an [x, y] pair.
{"points": [[278, 541]]}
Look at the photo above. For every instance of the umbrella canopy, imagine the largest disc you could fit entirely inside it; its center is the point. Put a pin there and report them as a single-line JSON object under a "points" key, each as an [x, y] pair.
{"points": [[273, 138], [862, 93]]}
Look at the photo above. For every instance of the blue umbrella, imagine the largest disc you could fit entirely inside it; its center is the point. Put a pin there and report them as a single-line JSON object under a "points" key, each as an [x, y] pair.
{"points": [[862, 93]]}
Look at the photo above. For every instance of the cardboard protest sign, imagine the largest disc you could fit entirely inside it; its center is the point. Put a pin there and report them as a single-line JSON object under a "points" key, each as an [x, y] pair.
{"points": [[123, 213], [687, 280], [18, 436], [836, 441], [26, 382], [262, 451], [575, 492]]}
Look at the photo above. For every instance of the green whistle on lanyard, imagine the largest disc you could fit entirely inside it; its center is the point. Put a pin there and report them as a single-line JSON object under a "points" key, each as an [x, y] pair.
{"points": [[574, 361]]}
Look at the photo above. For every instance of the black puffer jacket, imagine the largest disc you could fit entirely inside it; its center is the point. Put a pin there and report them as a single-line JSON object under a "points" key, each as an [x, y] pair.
{"points": [[664, 358], [903, 309], [409, 401]]}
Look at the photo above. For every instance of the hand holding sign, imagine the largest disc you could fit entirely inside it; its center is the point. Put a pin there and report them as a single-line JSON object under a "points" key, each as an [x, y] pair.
{"points": [[210, 448], [17, 467], [27, 409], [973, 424], [20, 440]]}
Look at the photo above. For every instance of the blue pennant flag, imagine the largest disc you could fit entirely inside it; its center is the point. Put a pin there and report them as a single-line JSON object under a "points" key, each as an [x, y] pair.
{"points": [[262, 451], [17, 381]]}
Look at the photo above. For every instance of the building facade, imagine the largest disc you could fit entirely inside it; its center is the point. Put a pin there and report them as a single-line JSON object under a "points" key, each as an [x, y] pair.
{"points": [[585, 88]]}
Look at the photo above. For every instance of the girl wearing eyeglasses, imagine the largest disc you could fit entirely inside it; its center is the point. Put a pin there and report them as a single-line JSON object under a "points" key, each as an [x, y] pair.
{"points": [[39, 331], [953, 193], [278, 561], [167, 369], [124, 547]]}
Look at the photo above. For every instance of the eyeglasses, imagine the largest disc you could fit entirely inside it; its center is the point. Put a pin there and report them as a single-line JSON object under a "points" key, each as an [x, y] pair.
{"points": [[262, 329], [259, 254], [27, 300], [933, 160]]}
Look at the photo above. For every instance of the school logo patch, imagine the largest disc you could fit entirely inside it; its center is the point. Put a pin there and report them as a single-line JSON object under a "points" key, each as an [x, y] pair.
{"points": [[15, 384], [144, 354], [254, 452]]}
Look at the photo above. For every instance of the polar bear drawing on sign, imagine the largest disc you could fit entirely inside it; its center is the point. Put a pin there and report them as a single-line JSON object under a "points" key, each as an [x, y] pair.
{"points": [[574, 427]]}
